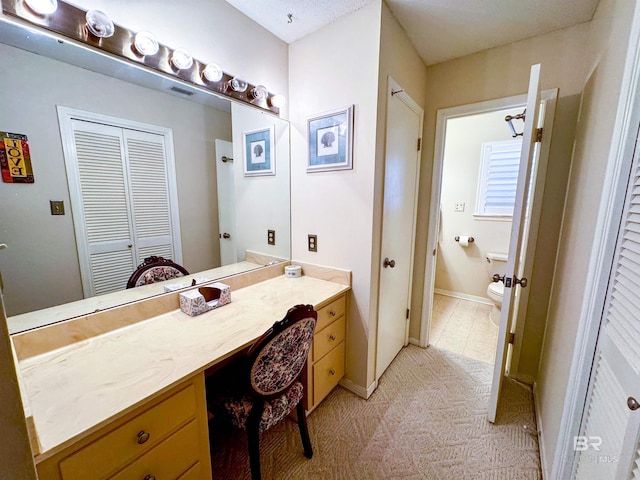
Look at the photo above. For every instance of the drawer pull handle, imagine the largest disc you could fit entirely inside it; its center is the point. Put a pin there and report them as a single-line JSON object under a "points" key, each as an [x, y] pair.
{"points": [[142, 438], [332, 313], [332, 372], [149, 477], [332, 337]]}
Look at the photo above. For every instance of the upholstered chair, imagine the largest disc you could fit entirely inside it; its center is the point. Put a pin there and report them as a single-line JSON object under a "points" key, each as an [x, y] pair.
{"points": [[155, 269], [265, 386]]}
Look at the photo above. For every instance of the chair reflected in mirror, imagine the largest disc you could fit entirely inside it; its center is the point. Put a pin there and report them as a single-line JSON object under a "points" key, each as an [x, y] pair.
{"points": [[259, 389], [155, 269]]}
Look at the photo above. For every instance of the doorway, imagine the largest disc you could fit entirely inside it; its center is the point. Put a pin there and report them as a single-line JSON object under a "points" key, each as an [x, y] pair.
{"points": [[478, 186]]}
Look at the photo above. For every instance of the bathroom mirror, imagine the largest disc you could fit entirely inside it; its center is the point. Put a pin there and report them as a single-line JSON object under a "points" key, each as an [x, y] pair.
{"points": [[41, 267]]}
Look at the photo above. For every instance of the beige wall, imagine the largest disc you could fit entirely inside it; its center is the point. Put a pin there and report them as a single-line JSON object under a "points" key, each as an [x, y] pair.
{"points": [[607, 46], [262, 202], [48, 262], [498, 73], [337, 206], [464, 270]]}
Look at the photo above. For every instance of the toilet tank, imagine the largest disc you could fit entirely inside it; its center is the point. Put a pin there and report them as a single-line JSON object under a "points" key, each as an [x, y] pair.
{"points": [[496, 263]]}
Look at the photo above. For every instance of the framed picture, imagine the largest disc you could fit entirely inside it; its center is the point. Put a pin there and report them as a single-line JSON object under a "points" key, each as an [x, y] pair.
{"points": [[330, 140], [258, 152]]}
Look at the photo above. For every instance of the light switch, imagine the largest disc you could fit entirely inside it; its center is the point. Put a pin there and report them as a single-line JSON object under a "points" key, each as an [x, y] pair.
{"points": [[459, 207], [57, 207]]}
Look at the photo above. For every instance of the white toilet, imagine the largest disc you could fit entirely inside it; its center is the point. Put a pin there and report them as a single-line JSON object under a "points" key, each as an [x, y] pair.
{"points": [[496, 263]]}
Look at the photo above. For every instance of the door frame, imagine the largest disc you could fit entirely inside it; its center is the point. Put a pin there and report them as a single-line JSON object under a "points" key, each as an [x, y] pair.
{"points": [[66, 116], [395, 89], [619, 161], [550, 97]]}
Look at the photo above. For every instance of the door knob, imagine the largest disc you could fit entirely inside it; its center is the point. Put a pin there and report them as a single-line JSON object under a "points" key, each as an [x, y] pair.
{"points": [[497, 278], [388, 263], [226, 236], [632, 403], [522, 281]]}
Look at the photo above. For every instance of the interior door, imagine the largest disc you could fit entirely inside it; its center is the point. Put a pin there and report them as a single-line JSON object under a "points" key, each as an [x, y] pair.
{"points": [[226, 202], [608, 446], [404, 128], [516, 239]]}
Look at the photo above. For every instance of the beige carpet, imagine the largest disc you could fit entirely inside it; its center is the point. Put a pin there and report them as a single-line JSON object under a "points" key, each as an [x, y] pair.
{"points": [[426, 420]]}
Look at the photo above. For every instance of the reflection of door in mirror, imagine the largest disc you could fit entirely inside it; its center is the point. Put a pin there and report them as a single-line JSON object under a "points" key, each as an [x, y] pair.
{"points": [[122, 184], [226, 201]]}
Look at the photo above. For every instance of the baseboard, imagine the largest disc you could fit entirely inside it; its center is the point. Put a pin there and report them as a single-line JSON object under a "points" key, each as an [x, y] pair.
{"points": [[359, 389], [536, 409], [416, 342], [463, 296], [523, 378]]}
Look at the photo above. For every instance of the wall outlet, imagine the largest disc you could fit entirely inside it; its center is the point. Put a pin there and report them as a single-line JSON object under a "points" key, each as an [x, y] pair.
{"points": [[313, 243], [459, 207], [271, 237]]}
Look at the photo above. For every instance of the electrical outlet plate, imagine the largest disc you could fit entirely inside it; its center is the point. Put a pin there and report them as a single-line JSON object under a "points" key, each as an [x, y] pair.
{"points": [[271, 237], [459, 207], [313, 243]]}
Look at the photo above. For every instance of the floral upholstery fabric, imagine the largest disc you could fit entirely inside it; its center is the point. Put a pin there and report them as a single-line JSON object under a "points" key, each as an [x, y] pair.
{"points": [[158, 274], [281, 360], [275, 409]]}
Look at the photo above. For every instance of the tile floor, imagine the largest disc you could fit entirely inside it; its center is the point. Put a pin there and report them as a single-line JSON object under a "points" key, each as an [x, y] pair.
{"points": [[463, 327]]}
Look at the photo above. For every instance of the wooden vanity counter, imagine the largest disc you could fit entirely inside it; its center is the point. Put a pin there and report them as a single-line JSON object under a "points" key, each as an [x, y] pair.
{"points": [[78, 389]]}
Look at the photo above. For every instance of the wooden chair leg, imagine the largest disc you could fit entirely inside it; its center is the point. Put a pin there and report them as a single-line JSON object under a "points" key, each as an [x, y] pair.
{"points": [[304, 431]]}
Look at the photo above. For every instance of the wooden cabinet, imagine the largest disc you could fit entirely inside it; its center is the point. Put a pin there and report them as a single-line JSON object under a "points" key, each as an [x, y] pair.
{"points": [[165, 438], [325, 366]]}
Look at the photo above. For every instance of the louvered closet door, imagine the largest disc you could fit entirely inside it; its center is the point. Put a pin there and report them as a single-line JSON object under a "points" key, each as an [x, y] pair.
{"points": [[609, 445], [150, 206], [103, 223]]}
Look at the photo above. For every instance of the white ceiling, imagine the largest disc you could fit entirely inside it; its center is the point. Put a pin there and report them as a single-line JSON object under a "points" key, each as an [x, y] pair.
{"points": [[439, 29]]}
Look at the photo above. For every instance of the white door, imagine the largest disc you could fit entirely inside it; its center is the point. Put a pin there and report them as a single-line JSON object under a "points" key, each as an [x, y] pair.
{"points": [[402, 162], [226, 202], [514, 267], [608, 446]]}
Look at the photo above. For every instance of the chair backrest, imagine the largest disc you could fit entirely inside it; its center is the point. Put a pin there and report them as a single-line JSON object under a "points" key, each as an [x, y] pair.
{"points": [[277, 358], [155, 269]]}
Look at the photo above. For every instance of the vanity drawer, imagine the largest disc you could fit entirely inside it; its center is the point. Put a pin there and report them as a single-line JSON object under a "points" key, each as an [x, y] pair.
{"points": [[328, 338], [114, 449], [331, 312], [194, 473], [168, 460], [327, 372]]}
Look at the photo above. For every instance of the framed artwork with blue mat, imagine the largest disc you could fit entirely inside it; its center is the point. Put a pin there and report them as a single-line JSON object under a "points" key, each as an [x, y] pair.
{"points": [[259, 158], [330, 140]]}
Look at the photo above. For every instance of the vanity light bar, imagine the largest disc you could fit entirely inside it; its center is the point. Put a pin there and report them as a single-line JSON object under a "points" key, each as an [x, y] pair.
{"points": [[70, 21]]}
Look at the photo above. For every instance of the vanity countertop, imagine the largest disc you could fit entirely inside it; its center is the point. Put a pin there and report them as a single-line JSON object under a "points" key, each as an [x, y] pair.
{"points": [[77, 389]]}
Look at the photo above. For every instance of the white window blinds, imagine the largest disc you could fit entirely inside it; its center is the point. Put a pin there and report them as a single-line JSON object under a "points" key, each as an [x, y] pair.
{"points": [[498, 178]]}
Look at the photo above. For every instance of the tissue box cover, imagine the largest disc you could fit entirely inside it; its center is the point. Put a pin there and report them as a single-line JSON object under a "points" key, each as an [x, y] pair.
{"points": [[200, 300]]}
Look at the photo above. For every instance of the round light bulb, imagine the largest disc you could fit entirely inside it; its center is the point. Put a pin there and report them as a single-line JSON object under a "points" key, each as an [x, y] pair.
{"points": [[99, 24], [259, 92], [212, 72], [277, 100], [238, 84], [145, 43], [42, 7], [181, 59]]}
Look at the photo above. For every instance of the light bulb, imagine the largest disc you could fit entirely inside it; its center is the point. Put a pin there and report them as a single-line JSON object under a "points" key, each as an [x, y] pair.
{"points": [[212, 72], [258, 92], [277, 100], [181, 59], [238, 84], [145, 43], [99, 24], [42, 7]]}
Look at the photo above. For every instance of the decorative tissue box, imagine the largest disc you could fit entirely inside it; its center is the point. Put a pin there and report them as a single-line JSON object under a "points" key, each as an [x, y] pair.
{"points": [[200, 300]]}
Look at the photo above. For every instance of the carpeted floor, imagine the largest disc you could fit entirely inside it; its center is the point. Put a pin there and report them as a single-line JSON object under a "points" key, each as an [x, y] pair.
{"points": [[426, 420]]}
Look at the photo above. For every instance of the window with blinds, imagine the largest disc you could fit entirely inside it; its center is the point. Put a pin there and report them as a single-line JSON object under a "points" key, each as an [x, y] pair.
{"points": [[498, 178]]}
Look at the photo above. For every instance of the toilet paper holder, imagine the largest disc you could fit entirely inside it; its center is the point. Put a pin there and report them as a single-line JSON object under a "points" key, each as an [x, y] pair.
{"points": [[457, 239]]}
